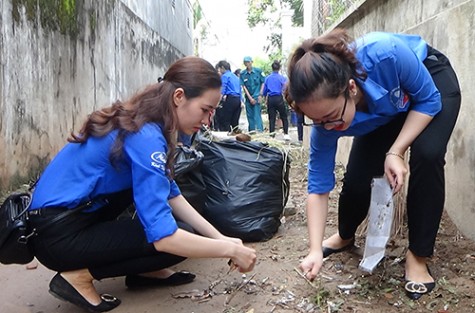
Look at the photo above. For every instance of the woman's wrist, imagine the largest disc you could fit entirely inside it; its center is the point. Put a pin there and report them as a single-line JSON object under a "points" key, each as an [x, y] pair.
{"points": [[395, 154], [229, 249]]}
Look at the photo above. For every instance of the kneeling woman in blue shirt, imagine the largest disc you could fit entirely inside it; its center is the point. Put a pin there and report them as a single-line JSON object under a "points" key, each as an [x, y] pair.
{"points": [[123, 155], [391, 92]]}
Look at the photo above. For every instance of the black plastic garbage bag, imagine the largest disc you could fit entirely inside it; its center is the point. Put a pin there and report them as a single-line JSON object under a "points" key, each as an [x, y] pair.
{"points": [[188, 176], [247, 187]]}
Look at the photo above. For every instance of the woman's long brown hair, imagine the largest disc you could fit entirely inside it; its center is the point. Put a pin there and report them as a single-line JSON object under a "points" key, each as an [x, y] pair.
{"points": [[322, 66], [154, 104]]}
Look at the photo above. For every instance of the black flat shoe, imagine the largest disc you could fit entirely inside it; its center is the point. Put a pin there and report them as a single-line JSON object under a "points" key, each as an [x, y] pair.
{"points": [[329, 251], [175, 279], [63, 290], [415, 290]]}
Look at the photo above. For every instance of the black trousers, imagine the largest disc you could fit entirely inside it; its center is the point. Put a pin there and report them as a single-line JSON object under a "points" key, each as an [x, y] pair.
{"points": [[107, 244], [217, 117], [426, 188], [300, 120], [276, 104], [229, 114]]}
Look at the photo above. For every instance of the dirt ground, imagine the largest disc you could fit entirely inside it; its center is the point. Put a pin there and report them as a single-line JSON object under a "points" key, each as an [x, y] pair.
{"points": [[276, 284]]}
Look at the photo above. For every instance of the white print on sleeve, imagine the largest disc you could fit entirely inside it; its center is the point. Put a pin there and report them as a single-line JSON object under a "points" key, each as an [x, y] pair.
{"points": [[159, 159]]}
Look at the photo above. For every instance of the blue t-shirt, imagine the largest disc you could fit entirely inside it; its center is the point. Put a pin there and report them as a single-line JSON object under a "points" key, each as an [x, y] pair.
{"points": [[397, 82], [84, 172], [230, 84], [274, 84]]}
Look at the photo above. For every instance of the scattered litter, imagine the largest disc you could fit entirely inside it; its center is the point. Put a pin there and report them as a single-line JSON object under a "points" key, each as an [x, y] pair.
{"points": [[192, 294], [348, 287], [233, 293]]}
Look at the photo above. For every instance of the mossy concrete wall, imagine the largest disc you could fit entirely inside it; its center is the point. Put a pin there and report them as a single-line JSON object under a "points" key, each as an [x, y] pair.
{"points": [[61, 59], [449, 27]]}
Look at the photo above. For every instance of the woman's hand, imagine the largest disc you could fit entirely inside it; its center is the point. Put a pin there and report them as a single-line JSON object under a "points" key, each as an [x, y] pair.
{"points": [[190, 245], [244, 258], [311, 265], [394, 165], [395, 170], [317, 208]]}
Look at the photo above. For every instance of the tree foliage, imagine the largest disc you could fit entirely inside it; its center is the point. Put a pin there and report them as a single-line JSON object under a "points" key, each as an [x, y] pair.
{"points": [[260, 10], [267, 13], [197, 13], [337, 8], [297, 7]]}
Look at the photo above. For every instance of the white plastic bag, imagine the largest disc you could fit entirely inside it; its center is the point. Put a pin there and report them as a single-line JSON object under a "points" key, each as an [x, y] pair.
{"points": [[380, 219]]}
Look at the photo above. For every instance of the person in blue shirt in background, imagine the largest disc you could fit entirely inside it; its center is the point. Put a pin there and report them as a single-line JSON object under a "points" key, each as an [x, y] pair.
{"points": [[391, 92], [124, 155], [237, 72], [273, 88], [252, 81], [229, 113]]}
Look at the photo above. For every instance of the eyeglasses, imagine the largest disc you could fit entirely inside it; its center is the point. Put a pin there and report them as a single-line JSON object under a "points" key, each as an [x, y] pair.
{"points": [[333, 123]]}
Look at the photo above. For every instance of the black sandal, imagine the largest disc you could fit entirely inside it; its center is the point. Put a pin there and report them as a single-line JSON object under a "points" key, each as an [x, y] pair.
{"points": [[61, 289]]}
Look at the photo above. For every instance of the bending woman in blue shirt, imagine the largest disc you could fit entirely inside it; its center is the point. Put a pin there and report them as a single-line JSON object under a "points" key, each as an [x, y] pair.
{"points": [[124, 155], [391, 92]]}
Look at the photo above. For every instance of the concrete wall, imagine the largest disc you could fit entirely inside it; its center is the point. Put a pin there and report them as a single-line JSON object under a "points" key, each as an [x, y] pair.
{"points": [[173, 20], [57, 66], [449, 27]]}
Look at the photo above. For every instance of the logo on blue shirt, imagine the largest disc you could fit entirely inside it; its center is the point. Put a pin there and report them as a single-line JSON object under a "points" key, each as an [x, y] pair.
{"points": [[398, 98], [159, 159]]}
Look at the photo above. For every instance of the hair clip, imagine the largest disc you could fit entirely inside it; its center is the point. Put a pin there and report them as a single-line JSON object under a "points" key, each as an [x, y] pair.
{"points": [[160, 79]]}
